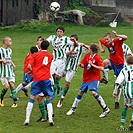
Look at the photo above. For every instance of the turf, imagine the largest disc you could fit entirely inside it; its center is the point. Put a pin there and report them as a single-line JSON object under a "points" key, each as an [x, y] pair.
{"points": [[86, 118]]}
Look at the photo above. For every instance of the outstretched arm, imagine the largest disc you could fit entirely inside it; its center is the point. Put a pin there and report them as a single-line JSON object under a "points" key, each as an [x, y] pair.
{"points": [[124, 37], [101, 47]]}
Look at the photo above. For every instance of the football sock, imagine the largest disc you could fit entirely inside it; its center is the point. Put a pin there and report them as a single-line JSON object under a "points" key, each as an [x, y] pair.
{"points": [[64, 93], [3, 92], [123, 116], [28, 86], [14, 97], [57, 83], [100, 101], [117, 99], [29, 108], [20, 86], [76, 101], [49, 109], [42, 110], [105, 73]]}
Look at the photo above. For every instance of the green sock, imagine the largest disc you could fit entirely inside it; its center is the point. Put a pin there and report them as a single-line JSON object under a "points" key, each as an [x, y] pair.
{"points": [[123, 116], [3, 92], [132, 114], [64, 93], [14, 97], [57, 83], [42, 110]]}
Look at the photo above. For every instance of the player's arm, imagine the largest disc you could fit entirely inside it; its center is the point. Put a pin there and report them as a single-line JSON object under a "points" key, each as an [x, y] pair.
{"points": [[101, 68], [86, 46], [14, 66], [30, 68], [101, 47], [124, 37], [81, 65]]}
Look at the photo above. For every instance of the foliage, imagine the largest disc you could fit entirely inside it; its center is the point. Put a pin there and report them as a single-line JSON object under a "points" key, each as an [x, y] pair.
{"points": [[79, 5]]}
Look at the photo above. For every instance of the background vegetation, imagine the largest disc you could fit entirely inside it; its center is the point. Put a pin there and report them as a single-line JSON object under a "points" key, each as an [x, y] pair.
{"points": [[86, 118]]}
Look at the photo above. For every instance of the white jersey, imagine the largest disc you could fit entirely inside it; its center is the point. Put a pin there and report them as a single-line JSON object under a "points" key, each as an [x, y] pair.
{"points": [[126, 76], [6, 70], [126, 51], [59, 46], [74, 58]]}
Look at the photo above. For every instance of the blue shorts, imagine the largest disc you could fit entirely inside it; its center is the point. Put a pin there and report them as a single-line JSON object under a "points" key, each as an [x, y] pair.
{"points": [[92, 86], [27, 78], [43, 86], [116, 68]]}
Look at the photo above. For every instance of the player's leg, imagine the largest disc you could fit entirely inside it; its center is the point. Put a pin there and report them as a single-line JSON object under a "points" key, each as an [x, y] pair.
{"points": [[69, 77], [42, 108], [93, 86], [4, 90], [131, 122], [106, 63], [83, 88], [13, 92]]}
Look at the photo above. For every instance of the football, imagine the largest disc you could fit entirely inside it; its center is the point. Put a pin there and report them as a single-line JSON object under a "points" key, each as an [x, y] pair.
{"points": [[55, 6]]}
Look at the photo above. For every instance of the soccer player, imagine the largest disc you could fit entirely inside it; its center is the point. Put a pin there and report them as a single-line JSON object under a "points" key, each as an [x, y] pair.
{"points": [[92, 65], [126, 77], [116, 60], [7, 68], [27, 79], [74, 54], [59, 43], [127, 51], [39, 65]]}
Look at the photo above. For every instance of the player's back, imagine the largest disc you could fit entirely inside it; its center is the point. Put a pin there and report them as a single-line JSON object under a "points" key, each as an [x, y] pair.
{"points": [[41, 62]]}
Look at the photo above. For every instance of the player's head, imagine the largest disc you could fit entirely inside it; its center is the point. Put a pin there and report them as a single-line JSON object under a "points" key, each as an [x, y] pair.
{"points": [[75, 36], [33, 49], [7, 41], [108, 38], [44, 45], [60, 31], [129, 60], [94, 48], [39, 40]]}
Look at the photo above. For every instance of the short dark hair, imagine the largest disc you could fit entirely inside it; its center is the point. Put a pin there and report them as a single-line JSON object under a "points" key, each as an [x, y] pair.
{"points": [[129, 60], [61, 28], [44, 45], [33, 49], [94, 47], [75, 36], [42, 38]]}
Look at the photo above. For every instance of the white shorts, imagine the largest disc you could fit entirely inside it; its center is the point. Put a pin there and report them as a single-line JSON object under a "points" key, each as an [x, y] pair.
{"points": [[69, 75], [7, 80], [57, 67], [128, 102]]}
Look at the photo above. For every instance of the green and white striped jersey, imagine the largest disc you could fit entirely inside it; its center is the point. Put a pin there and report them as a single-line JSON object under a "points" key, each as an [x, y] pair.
{"points": [[6, 70], [126, 76], [126, 51], [59, 46], [74, 58]]}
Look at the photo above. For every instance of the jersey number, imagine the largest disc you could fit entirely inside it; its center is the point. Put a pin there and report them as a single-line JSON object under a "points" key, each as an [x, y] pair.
{"points": [[45, 60], [130, 75]]}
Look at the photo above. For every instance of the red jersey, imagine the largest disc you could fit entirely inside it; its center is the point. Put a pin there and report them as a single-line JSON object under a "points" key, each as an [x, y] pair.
{"points": [[115, 50], [26, 62], [92, 73], [40, 63]]}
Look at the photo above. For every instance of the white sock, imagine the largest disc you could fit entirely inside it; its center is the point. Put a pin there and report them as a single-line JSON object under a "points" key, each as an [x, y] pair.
{"points": [[28, 86], [101, 102], [106, 73], [29, 110], [117, 99], [50, 110], [75, 103], [20, 86]]}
